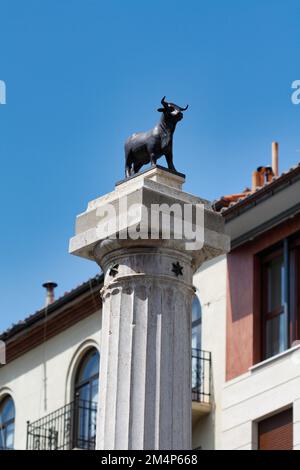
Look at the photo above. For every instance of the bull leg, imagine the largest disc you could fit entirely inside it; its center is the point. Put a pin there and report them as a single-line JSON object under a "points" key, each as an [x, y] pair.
{"points": [[137, 167], [127, 170], [169, 158], [152, 159], [128, 162]]}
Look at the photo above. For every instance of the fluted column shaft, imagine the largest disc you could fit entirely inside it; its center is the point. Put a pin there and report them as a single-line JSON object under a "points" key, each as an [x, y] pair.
{"points": [[145, 374]]}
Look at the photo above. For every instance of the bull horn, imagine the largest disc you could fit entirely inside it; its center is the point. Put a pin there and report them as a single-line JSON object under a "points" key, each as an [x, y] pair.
{"points": [[163, 102], [184, 109]]}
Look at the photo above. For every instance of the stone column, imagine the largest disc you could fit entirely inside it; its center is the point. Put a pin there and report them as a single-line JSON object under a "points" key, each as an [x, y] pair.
{"points": [[145, 372]]}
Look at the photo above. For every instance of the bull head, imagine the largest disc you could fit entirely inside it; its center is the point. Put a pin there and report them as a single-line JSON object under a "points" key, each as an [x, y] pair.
{"points": [[172, 110]]}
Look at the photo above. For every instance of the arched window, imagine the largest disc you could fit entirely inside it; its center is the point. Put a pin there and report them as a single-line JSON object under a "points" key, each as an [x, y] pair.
{"points": [[86, 399], [7, 423]]}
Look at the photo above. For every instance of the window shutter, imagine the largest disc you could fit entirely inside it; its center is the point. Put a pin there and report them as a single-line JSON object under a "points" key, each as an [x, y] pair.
{"points": [[276, 432]]}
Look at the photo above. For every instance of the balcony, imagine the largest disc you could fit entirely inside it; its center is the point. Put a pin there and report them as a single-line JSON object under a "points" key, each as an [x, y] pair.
{"points": [[201, 383], [71, 427]]}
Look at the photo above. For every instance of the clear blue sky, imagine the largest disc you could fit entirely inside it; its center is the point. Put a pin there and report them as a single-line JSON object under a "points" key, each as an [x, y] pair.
{"points": [[82, 75]]}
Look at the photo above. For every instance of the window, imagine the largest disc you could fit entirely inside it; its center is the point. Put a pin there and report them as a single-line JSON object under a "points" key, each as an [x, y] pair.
{"points": [[86, 398], [196, 343], [274, 312], [7, 423], [294, 294], [196, 323], [280, 297], [276, 432]]}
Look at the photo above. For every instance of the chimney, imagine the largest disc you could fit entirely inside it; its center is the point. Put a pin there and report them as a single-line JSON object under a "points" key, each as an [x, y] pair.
{"points": [[275, 147], [256, 180], [49, 286]]}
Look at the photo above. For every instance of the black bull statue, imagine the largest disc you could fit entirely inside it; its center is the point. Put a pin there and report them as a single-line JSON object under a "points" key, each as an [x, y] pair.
{"points": [[148, 147]]}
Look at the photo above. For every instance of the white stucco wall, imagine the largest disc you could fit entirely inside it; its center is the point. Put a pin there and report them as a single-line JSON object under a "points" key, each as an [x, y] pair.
{"points": [[267, 388], [210, 282], [23, 378]]}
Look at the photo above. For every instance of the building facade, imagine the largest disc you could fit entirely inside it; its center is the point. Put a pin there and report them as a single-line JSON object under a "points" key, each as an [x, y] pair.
{"points": [[261, 393], [245, 349]]}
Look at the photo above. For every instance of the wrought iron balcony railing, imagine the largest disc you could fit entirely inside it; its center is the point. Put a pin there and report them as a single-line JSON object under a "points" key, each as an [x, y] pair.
{"points": [[70, 427], [201, 376]]}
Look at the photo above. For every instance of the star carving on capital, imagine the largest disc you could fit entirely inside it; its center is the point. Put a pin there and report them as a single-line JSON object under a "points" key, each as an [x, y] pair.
{"points": [[114, 270], [177, 269]]}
